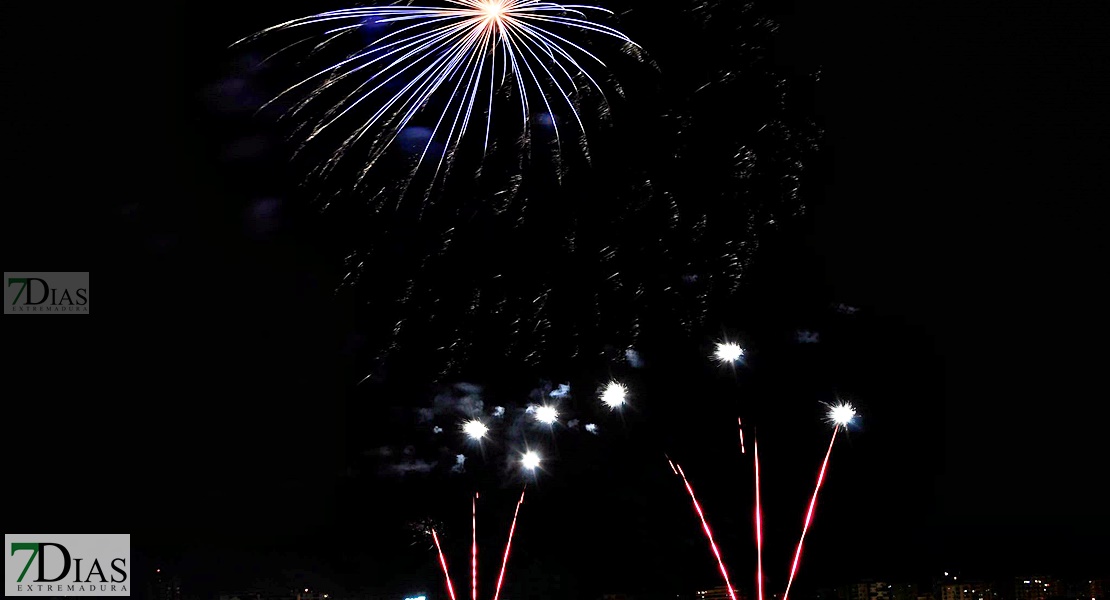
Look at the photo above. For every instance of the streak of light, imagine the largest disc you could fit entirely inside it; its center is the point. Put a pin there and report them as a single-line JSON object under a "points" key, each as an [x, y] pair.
{"points": [[708, 534], [508, 546]]}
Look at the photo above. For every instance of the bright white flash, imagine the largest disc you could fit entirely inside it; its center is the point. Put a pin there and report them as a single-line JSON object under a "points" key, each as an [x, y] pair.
{"points": [[614, 395], [841, 414], [546, 414], [531, 460], [728, 352], [475, 429], [492, 9]]}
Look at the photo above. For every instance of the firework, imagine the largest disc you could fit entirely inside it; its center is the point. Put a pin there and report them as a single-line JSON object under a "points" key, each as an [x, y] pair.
{"points": [[475, 429], [474, 548], [740, 428], [728, 352], [530, 460], [443, 563], [840, 415], [708, 533], [758, 529], [546, 414], [451, 59], [508, 546], [614, 395]]}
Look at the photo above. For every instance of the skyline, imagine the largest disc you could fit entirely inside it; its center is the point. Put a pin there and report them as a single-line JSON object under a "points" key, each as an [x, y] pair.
{"points": [[936, 586]]}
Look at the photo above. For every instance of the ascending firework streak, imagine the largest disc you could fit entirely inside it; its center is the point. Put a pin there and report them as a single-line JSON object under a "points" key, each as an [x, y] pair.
{"points": [[740, 427], [708, 534], [454, 56], [474, 548], [758, 529], [443, 563], [840, 415], [508, 545]]}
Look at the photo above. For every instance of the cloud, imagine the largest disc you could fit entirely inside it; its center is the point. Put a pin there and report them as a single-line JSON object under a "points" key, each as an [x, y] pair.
{"points": [[633, 358], [460, 460], [808, 337], [461, 399], [412, 466]]}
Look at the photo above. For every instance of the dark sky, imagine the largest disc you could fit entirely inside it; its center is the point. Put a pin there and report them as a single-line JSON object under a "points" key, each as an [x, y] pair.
{"points": [[210, 407]]}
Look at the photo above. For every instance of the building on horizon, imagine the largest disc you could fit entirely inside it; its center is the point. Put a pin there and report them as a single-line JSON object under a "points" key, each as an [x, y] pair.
{"points": [[239, 596], [967, 590], [1086, 589], [164, 586], [718, 593], [903, 591], [865, 590], [1038, 587]]}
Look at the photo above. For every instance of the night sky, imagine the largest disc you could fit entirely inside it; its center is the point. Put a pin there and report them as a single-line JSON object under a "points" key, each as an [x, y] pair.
{"points": [[944, 245]]}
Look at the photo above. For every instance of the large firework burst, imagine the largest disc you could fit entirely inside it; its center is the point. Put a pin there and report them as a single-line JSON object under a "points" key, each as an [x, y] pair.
{"points": [[442, 67]]}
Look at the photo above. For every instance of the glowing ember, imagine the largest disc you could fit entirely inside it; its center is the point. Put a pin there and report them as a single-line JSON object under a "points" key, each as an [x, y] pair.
{"points": [[614, 395], [546, 414], [475, 429], [841, 414], [728, 352]]}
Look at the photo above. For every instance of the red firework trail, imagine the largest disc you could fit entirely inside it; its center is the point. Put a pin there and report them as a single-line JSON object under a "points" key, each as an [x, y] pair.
{"points": [[740, 426], [758, 528], [809, 513], [708, 534], [508, 545], [671, 462], [474, 548], [443, 563]]}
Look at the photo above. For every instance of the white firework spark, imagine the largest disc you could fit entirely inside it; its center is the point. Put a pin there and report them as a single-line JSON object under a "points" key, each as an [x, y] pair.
{"points": [[530, 460], [614, 395], [841, 414], [475, 429], [546, 414], [728, 352], [453, 57]]}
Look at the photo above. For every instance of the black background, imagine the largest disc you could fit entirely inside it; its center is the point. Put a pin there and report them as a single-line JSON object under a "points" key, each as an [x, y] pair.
{"points": [[205, 403]]}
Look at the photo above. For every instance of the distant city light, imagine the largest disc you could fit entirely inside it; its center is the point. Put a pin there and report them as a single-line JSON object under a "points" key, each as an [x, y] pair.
{"points": [[614, 395], [417, 598], [475, 429], [531, 460], [728, 352], [546, 414]]}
